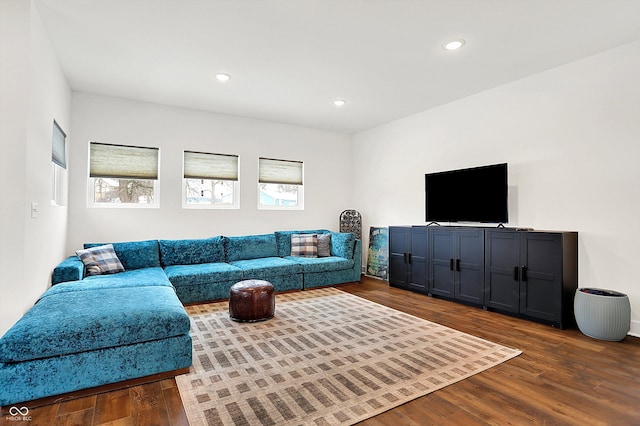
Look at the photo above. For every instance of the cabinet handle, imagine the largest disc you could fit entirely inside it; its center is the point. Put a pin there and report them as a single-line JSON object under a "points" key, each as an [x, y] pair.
{"points": [[404, 255], [409, 258], [457, 264], [516, 276], [524, 273], [451, 264]]}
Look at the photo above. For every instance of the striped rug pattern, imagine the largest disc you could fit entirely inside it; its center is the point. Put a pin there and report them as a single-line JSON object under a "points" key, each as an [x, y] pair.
{"points": [[326, 358]]}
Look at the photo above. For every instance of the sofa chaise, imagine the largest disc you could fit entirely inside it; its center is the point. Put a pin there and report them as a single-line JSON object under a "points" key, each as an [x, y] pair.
{"points": [[103, 329], [91, 330]]}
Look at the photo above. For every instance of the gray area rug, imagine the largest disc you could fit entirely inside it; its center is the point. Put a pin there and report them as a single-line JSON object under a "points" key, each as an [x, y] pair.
{"points": [[326, 358]]}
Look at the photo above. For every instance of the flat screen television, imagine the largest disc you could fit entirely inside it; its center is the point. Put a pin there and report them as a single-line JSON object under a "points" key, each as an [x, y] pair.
{"points": [[478, 194]]}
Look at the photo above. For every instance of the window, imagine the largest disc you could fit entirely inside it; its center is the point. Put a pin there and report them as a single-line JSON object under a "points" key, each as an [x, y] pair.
{"points": [[58, 185], [58, 166], [210, 180], [122, 175], [280, 184]]}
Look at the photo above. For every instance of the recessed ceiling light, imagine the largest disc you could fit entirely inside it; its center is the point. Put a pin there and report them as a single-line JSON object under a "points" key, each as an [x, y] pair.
{"points": [[222, 76], [339, 102], [453, 44]]}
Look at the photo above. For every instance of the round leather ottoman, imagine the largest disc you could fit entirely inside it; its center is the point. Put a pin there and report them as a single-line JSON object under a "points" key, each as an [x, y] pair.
{"points": [[251, 301]]}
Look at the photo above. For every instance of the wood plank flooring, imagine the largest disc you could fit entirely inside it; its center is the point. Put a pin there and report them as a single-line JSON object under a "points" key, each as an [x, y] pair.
{"points": [[562, 378]]}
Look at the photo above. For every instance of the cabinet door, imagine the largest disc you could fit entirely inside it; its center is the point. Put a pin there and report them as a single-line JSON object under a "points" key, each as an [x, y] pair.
{"points": [[469, 266], [441, 262], [418, 260], [399, 249], [502, 272], [541, 276]]}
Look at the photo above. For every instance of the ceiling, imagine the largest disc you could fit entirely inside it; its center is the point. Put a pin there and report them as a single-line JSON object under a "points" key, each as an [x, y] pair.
{"points": [[290, 59]]}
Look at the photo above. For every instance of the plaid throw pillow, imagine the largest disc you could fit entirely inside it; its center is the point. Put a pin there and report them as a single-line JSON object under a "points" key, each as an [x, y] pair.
{"points": [[304, 245], [100, 260]]}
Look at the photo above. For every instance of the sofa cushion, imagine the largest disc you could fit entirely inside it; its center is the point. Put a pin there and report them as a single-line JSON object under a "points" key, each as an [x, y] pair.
{"points": [[322, 264], [304, 245], [342, 244], [146, 277], [135, 254], [324, 245], [283, 239], [191, 252], [267, 267], [250, 247], [204, 273], [87, 320], [100, 260]]}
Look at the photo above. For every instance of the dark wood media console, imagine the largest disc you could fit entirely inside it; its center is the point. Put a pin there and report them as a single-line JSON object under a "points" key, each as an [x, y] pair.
{"points": [[527, 273]]}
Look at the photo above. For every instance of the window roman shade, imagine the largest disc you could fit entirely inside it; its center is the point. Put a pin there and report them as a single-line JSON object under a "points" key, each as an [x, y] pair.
{"points": [[58, 146], [123, 162], [280, 171], [201, 165]]}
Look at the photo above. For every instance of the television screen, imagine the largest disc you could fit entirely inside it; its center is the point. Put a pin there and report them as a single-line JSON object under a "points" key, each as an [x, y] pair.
{"points": [[477, 194]]}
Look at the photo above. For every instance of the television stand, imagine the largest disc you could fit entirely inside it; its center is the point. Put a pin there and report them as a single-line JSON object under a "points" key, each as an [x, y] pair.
{"points": [[517, 271]]}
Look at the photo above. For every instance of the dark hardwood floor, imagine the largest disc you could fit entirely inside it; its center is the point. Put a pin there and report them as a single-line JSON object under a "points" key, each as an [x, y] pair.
{"points": [[562, 377]]}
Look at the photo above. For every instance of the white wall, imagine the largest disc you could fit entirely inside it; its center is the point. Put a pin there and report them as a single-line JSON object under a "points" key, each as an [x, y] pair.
{"points": [[34, 93], [326, 156], [571, 137]]}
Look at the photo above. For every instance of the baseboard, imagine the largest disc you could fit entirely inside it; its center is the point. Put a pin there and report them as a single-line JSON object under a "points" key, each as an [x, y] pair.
{"points": [[374, 277], [635, 329]]}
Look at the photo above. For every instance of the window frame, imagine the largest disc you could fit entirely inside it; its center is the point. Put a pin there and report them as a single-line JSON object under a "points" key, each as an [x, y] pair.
{"points": [[271, 178], [58, 185], [58, 166], [210, 175], [92, 181]]}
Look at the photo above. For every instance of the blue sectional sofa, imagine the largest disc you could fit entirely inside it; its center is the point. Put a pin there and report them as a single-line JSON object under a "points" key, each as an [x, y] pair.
{"points": [[204, 269], [87, 331]]}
